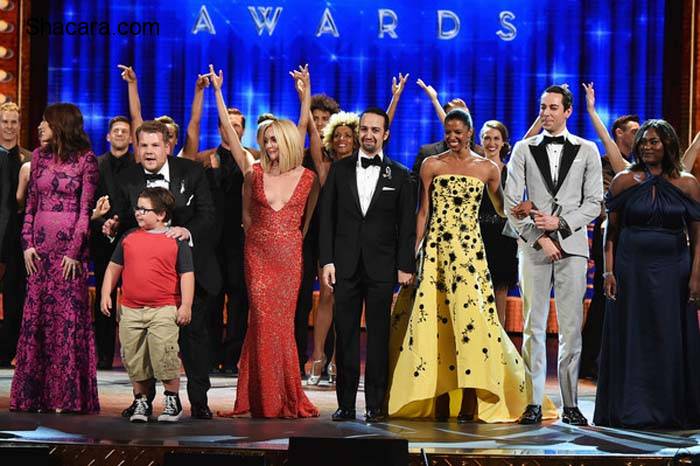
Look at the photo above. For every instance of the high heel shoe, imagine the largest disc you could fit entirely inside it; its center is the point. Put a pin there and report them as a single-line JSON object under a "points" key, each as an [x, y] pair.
{"points": [[331, 372], [316, 370]]}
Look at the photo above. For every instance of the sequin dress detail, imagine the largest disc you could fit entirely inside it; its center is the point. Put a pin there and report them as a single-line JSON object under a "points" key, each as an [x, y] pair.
{"points": [[445, 335], [269, 382], [56, 358]]}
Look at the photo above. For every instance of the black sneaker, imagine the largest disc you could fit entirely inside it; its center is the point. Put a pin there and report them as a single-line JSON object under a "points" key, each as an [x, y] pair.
{"points": [[142, 409], [173, 408]]}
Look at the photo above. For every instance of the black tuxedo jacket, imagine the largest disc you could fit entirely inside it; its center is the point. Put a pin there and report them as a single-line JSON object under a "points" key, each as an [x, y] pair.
{"points": [[10, 163], [100, 246], [384, 238], [194, 210]]}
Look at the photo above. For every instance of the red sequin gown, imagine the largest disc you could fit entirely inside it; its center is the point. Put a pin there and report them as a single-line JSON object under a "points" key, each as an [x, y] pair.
{"points": [[269, 383]]}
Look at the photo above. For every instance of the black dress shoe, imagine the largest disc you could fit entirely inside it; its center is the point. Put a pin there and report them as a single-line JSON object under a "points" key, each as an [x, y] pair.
{"points": [[375, 415], [341, 415], [465, 418], [532, 415], [574, 417], [201, 412]]}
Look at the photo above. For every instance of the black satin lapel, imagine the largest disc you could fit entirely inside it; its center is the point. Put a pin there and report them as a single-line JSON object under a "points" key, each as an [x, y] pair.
{"points": [[567, 159], [542, 160], [352, 181], [177, 179]]}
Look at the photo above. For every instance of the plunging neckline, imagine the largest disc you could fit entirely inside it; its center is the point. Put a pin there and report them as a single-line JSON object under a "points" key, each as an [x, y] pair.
{"points": [[294, 191]]}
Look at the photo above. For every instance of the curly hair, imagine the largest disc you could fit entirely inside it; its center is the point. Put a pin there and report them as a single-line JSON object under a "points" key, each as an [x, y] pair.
{"points": [[325, 103], [349, 119]]}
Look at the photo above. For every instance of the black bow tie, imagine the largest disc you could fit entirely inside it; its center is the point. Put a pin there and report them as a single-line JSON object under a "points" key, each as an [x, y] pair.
{"points": [[553, 140], [366, 162], [154, 177]]}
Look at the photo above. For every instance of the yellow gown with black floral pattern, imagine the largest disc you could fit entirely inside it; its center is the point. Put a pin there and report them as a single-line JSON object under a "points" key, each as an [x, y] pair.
{"points": [[445, 334]]}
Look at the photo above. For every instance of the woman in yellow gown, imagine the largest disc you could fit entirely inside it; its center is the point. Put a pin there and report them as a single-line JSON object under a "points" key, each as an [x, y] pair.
{"points": [[449, 355]]}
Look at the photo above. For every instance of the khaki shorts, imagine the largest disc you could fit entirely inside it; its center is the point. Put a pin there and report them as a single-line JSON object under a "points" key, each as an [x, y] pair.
{"points": [[148, 338]]}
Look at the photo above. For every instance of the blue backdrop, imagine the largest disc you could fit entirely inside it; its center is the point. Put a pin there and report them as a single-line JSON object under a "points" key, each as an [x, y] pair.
{"points": [[504, 53]]}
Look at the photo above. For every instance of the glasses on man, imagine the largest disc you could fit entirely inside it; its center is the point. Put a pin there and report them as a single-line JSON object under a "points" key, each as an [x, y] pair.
{"points": [[142, 210]]}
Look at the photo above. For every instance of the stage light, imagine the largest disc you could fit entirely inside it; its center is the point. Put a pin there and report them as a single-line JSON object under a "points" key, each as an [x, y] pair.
{"points": [[6, 53], [5, 76], [3, 99], [6, 27], [6, 5]]}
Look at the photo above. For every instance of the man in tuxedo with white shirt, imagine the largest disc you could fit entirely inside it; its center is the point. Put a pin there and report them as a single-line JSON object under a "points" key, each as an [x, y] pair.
{"points": [[367, 242], [561, 174], [193, 220]]}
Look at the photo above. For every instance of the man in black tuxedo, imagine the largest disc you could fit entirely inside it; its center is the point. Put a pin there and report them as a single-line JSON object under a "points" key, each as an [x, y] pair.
{"points": [[368, 231], [12, 271], [111, 164], [226, 182], [193, 220]]}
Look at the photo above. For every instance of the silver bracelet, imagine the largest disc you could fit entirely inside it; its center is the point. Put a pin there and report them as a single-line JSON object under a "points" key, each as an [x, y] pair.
{"points": [[607, 274]]}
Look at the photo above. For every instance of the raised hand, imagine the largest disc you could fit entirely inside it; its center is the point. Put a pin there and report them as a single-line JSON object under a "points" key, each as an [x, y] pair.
{"points": [[590, 95], [216, 80], [430, 90], [397, 87], [128, 73], [302, 80], [202, 81]]}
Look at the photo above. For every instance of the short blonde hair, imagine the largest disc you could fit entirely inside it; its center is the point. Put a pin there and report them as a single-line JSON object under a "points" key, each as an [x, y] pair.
{"points": [[291, 149], [9, 107], [349, 119]]}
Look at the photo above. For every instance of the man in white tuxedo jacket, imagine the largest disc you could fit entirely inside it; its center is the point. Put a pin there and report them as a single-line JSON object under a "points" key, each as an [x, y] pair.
{"points": [[561, 175]]}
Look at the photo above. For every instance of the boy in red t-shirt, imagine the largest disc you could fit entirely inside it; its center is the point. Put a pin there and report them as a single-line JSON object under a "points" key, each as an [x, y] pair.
{"points": [[157, 293]]}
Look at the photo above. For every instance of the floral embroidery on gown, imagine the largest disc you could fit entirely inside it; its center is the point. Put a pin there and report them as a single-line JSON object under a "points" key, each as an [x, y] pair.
{"points": [[56, 365], [269, 383], [445, 335]]}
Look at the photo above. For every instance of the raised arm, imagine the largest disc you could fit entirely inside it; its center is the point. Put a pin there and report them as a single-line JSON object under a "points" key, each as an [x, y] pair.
{"points": [[129, 75], [691, 153], [302, 84], [192, 139], [534, 128], [397, 88], [617, 161], [432, 95], [243, 158]]}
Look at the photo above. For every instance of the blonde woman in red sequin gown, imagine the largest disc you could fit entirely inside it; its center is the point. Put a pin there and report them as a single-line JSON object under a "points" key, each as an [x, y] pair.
{"points": [[277, 194]]}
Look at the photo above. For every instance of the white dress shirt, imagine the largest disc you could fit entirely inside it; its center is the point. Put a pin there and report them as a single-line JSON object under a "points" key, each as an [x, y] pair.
{"points": [[554, 152], [367, 180]]}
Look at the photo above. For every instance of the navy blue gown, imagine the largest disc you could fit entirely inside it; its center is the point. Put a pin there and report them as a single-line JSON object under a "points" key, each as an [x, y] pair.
{"points": [[649, 373]]}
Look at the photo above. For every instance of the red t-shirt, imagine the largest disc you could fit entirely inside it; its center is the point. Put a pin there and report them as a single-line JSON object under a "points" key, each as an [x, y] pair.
{"points": [[152, 266]]}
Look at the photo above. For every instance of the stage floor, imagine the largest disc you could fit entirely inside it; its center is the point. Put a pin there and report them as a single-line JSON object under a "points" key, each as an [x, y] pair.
{"points": [[552, 438]]}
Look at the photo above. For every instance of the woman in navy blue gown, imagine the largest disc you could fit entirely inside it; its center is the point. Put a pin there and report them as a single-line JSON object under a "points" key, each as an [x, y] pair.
{"points": [[649, 375]]}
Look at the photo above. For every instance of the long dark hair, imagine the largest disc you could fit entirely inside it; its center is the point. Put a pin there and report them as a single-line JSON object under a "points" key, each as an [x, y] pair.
{"points": [[66, 123], [671, 162]]}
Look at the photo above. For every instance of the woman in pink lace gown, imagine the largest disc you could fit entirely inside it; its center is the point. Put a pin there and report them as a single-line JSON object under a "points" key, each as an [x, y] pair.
{"points": [[56, 350]]}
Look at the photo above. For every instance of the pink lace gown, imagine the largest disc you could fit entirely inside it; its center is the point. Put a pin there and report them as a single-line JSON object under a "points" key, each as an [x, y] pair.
{"points": [[269, 383], [56, 349]]}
